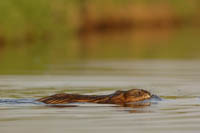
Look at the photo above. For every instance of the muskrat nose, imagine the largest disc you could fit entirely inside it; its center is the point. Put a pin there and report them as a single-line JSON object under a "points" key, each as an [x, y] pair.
{"points": [[147, 95]]}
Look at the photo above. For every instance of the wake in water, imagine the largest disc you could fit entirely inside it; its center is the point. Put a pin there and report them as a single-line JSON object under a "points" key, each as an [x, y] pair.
{"points": [[19, 101]]}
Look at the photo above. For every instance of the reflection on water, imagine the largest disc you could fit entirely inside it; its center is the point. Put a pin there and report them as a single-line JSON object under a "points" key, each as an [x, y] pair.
{"points": [[42, 57], [177, 82]]}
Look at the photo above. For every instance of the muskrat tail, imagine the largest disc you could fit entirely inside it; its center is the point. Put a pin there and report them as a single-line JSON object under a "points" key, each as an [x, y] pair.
{"points": [[54, 99]]}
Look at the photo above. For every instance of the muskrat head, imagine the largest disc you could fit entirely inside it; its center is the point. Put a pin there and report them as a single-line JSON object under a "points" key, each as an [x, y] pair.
{"points": [[135, 95]]}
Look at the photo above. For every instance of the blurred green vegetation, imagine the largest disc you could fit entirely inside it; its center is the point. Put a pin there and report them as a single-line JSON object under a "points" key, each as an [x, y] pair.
{"points": [[24, 20], [32, 20]]}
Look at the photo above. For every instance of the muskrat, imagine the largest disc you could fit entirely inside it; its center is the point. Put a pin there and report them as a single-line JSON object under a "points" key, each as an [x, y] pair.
{"points": [[118, 97]]}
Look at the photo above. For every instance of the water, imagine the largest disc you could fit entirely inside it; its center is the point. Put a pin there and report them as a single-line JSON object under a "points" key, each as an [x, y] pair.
{"points": [[175, 81]]}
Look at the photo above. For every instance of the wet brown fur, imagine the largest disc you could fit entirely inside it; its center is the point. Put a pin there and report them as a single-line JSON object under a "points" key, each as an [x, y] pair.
{"points": [[118, 97]]}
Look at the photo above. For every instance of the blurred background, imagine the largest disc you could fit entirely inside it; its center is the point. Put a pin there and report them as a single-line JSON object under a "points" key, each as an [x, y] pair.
{"points": [[98, 47], [38, 35]]}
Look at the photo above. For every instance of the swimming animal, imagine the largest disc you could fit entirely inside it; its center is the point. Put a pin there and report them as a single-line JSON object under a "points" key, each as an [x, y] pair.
{"points": [[118, 97]]}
